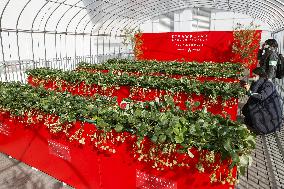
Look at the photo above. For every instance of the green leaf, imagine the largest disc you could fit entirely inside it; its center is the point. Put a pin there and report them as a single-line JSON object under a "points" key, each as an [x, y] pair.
{"points": [[179, 139], [242, 170], [196, 104], [176, 129], [163, 119], [101, 123], [228, 145], [118, 128], [251, 140], [137, 113], [154, 138], [162, 138]]}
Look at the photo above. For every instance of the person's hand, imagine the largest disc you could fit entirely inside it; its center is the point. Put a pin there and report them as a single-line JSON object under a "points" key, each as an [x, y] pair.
{"points": [[246, 86]]}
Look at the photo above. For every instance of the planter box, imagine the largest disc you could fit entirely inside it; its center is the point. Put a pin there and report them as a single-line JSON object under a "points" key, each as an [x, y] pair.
{"points": [[83, 166], [143, 94]]}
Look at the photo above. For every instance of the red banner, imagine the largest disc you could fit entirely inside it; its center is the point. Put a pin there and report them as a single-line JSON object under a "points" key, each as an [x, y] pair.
{"points": [[189, 46], [205, 46]]}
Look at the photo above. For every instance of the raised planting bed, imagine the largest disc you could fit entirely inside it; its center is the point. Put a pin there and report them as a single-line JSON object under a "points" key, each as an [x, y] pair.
{"points": [[218, 97], [88, 142], [229, 72]]}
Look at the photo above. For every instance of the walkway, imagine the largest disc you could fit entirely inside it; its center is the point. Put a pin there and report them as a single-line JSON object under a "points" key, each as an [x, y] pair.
{"points": [[17, 175]]}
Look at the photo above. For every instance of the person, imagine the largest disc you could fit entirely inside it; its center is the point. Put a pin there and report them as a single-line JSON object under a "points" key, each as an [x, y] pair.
{"points": [[268, 58], [263, 110], [261, 52]]}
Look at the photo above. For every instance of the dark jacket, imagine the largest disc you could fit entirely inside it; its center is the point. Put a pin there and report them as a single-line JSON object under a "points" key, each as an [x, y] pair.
{"points": [[266, 61], [263, 57], [263, 110]]}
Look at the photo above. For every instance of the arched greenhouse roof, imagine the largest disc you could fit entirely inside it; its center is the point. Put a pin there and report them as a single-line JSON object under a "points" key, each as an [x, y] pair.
{"points": [[110, 17], [61, 34], [65, 32]]}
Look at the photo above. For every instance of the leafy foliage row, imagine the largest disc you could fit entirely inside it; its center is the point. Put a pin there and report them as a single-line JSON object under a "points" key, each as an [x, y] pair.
{"points": [[208, 88], [193, 69], [162, 122]]}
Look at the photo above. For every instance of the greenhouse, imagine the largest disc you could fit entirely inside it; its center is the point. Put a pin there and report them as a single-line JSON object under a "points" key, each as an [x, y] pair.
{"points": [[141, 94]]}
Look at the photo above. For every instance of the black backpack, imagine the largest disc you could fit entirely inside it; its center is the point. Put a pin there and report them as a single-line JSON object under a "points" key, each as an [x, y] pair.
{"points": [[280, 67]]}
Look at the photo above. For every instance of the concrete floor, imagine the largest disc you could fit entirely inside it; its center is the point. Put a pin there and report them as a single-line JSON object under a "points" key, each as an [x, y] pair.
{"points": [[17, 175]]}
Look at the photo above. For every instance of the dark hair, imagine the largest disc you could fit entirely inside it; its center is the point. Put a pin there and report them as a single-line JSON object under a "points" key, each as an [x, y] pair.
{"points": [[260, 71], [272, 43]]}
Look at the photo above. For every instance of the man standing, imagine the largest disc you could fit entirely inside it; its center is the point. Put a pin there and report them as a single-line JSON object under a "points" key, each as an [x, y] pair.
{"points": [[269, 58]]}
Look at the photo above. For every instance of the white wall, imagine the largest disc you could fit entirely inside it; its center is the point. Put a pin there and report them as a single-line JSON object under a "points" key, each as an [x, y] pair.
{"points": [[178, 21], [186, 21], [183, 21], [226, 21], [279, 36]]}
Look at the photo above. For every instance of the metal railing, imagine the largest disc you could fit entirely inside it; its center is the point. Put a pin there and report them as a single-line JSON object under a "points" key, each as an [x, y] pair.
{"points": [[15, 70]]}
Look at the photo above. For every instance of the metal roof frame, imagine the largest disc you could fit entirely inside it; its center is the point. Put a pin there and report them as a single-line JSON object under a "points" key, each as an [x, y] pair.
{"points": [[112, 16], [94, 20]]}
